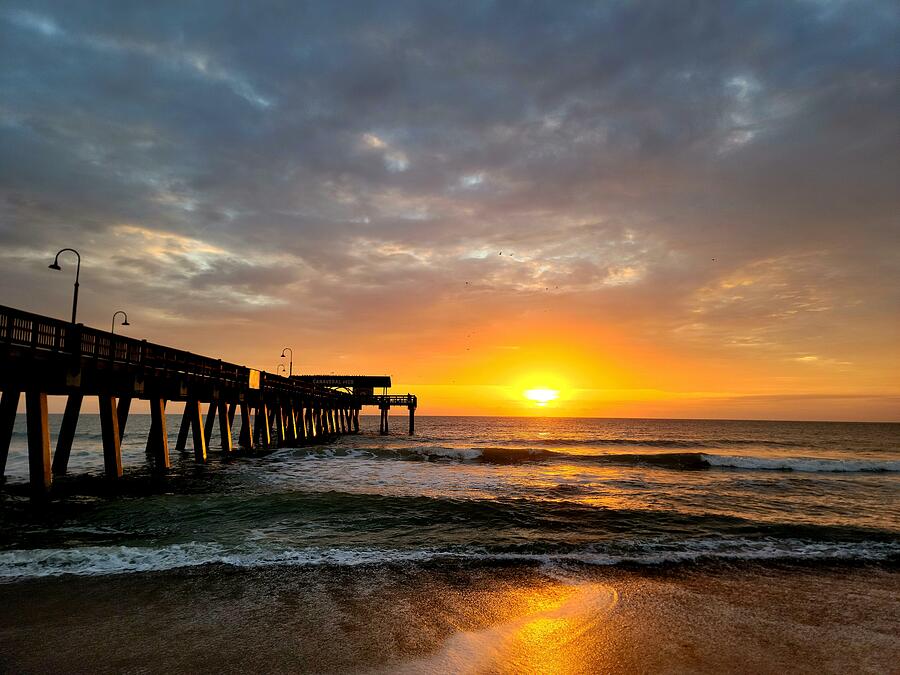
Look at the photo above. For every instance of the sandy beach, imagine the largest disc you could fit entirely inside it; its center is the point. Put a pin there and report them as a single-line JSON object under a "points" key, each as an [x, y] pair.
{"points": [[458, 618]]}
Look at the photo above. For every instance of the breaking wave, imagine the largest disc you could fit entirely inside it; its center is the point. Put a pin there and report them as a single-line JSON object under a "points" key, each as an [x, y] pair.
{"points": [[103, 560], [676, 443], [668, 460], [806, 464]]}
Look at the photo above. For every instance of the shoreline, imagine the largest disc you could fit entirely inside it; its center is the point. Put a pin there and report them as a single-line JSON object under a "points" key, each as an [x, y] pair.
{"points": [[462, 617]]}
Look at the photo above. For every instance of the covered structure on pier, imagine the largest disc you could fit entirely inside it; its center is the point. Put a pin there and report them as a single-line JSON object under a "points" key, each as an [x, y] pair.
{"points": [[365, 391]]}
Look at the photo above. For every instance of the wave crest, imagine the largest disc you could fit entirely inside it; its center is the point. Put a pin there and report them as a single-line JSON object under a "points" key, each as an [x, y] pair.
{"points": [[103, 560], [669, 460], [804, 464]]}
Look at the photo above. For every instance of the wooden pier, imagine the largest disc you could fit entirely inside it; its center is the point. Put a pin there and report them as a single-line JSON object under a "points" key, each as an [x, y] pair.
{"points": [[363, 389], [41, 356]]}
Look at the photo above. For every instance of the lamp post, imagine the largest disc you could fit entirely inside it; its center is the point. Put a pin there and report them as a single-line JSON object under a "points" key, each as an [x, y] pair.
{"points": [[291, 368], [112, 327], [55, 266]]}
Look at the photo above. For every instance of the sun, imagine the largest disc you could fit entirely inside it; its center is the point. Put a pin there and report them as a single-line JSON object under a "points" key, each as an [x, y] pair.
{"points": [[541, 396]]}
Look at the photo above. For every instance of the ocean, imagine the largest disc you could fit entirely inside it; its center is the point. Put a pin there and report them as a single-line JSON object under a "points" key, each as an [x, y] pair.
{"points": [[560, 502]]}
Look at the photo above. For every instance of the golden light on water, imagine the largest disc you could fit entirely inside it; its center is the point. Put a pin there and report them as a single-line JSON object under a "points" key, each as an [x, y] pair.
{"points": [[541, 396]]}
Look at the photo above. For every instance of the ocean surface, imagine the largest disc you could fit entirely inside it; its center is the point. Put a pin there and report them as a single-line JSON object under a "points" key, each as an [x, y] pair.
{"points": [[597, 491]]}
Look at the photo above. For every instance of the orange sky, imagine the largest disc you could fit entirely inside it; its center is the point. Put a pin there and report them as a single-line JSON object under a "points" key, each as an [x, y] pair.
{"points": [[696, 217]]}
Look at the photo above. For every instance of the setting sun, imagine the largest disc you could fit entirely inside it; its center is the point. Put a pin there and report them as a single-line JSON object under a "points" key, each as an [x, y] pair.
{"points": [[541, 396]]}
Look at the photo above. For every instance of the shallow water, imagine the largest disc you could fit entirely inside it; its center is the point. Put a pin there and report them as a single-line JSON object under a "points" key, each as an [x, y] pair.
{"points": [[597, 491]]}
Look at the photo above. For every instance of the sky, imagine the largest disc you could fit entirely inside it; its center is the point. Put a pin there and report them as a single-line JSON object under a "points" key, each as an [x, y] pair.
{"points": [[655, 209]]}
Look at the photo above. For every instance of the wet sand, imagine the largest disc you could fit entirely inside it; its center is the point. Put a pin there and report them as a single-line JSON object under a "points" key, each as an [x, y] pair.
{"points": [[458, 618]]}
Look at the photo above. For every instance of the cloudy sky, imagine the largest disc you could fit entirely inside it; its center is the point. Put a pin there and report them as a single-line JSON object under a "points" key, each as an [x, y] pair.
{"points": [[658, 208]]}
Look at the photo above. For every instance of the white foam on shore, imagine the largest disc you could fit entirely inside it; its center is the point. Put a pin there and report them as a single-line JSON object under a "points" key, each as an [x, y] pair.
{"points": [[101, 560], [97, 560]]}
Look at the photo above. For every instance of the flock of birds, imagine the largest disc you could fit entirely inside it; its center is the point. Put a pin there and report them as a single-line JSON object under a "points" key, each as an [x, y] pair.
{"points": [[510, 255]]}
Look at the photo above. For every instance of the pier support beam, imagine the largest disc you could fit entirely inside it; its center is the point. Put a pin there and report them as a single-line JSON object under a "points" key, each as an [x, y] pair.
{"points": [[412, 420], [281, 425], [319, 422], [291, 431], [67, 434], [245, 438], [38, 442], [299, 425], [310, 427], [225, 418], [158, 440], [9, 402], [356, 421], [263, 436], [195, 415], [210, 421], [383, 430], [109, 431], [122, 415], [183, 430]]}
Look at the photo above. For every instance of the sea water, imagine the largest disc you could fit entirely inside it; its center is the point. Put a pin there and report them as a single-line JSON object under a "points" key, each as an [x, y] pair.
{"points": [[596, 491]]}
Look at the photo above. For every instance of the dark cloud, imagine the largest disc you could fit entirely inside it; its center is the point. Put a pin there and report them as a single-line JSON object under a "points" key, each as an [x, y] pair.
{"points": [[295, 152]]}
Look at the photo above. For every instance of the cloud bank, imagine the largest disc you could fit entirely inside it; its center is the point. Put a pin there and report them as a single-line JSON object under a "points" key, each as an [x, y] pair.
{"points": [[717, 183]]}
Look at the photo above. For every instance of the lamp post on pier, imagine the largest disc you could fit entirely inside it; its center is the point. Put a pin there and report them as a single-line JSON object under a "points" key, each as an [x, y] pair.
{"points": [[112, 328], [291, 368], [55, 266]]}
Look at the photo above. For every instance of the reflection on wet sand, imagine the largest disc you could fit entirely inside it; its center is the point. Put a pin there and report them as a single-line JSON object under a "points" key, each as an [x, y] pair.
{"points": [[547, 638]]}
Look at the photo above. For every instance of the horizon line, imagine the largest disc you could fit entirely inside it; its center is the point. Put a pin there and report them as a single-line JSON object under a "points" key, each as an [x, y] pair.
{"points": [[580, 417]]}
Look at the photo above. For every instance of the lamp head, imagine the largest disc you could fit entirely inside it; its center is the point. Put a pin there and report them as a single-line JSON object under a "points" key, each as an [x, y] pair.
{"points": [[54, 266], [125, 323]]}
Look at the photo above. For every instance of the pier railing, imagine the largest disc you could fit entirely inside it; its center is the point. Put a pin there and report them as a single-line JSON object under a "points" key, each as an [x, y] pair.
{"points": [[25, 330], [394, 399]]}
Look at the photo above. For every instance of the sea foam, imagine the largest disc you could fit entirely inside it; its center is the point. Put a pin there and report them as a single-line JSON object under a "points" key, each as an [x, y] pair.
{"points": [[806, 464], [102, 560]]}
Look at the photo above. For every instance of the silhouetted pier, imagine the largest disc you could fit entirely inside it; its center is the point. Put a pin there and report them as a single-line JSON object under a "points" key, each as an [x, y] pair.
{"points": [[41, 356], [363, 389]]}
